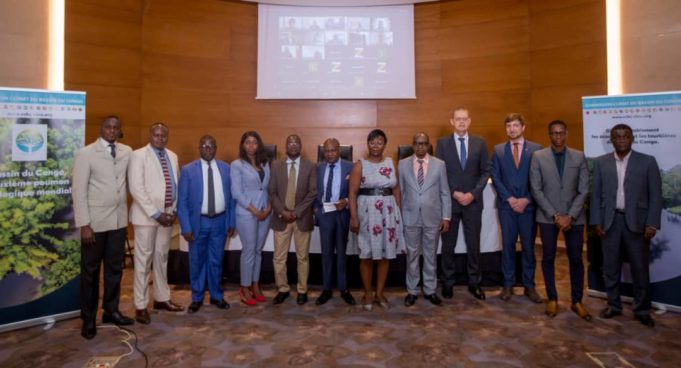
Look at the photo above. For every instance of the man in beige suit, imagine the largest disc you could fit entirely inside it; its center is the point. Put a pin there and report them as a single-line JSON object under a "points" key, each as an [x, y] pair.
{"points": [[293, 189], [153, 184], [99, 192]]}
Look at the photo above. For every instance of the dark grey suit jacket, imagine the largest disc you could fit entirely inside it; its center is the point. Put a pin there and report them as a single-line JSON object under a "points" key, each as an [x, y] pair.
{"points": [[471, 179], [554, 194], [306, 192], [642, 192]]}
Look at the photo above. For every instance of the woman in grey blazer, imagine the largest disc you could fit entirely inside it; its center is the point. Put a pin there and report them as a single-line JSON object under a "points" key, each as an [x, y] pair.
{"points": [[250, 176]]}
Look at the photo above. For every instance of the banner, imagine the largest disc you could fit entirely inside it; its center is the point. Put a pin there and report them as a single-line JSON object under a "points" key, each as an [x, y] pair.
{"points": [[655, 119], [40, 132]]}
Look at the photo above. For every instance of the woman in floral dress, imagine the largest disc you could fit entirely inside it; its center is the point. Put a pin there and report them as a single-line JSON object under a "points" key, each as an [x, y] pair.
{"points": [[375, 216]]}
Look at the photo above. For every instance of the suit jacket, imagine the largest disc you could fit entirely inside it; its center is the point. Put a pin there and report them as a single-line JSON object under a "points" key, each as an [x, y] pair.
{"points": [[554, 194], [306, 192], [432, 201], [471, 179], [642, 192], [99, 187], [247, 188], [508, 180], [345, 168], [147, 184], [190, 196]]}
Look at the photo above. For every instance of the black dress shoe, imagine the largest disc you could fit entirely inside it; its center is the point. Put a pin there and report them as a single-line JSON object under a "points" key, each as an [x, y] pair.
{"points": [[447, 292], [280, 297], [477, 292], [433, 298], [168, 306], [347, 297], [89, 331], [301, 299], [220, 303], [646, 319], [608, 313], [324, 297], [117, 319], [409, 300], [142, 316], [194, 307]]}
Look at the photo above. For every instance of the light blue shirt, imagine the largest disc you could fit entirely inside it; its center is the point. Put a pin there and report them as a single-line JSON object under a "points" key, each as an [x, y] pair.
{"points": [[335, 191], [458, 143]]}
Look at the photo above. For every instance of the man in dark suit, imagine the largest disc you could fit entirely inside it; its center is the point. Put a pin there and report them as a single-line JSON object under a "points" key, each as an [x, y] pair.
{"points": [[559, 179], [333, 217], [426, 210], [101, 212], [293, 189], [467, 164], [511, 179], [206, 213], [626, 210]]}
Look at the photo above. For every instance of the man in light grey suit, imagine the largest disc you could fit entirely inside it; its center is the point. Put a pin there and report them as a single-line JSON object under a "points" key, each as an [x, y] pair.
{"points": [[626, 210], [100, 207], [559, 179], [152, 177], [426, 210]]}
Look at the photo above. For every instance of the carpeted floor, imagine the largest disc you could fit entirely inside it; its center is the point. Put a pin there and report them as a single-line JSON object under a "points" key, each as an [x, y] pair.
{"points": [[462, 333]]}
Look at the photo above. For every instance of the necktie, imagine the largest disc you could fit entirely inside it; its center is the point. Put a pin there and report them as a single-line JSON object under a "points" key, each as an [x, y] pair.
{"points": [[211, 192], [462, 154], [168, 201], [290, 201], [329, 184], [516, 155], [419, 175], [113, 150]]}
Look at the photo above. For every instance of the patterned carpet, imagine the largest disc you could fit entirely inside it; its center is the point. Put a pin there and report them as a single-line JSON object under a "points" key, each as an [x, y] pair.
{"points": [[462, 333]]}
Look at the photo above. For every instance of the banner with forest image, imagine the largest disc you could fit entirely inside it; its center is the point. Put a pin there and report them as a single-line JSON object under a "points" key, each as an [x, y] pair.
{"points": [[655, 119], [40, 131]]}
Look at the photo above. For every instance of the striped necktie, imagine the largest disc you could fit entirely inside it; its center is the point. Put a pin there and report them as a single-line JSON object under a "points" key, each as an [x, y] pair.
{"points": [[419, 175], [168, 202]]}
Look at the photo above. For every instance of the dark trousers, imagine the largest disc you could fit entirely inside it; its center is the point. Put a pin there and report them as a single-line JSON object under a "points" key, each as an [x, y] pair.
{"points": [[573, 243], [619, 240], [109, 247], [205, 258], [514, 224], [472, 223], [333, 234]]}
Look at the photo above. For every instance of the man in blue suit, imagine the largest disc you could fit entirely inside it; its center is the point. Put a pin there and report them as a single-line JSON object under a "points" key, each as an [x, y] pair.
{"points": [[333, 217], [511, 179], [206, 213]]}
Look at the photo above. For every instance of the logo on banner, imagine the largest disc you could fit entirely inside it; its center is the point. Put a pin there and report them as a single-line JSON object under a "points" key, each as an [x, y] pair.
{"points": [[29, 142]]}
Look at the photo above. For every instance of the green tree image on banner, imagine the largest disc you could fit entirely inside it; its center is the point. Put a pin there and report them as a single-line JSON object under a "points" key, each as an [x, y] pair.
{"points": [[40, 131]]}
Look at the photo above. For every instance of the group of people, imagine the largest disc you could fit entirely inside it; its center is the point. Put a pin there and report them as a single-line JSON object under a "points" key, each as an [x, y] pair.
{"points": [[392, 210]]}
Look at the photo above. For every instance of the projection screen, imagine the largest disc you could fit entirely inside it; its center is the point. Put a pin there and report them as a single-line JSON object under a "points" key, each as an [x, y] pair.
{"points": [[336, 52]]}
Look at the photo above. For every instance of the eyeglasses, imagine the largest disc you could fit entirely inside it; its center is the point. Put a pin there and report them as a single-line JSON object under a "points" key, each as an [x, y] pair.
{"points": [[207, 146], [420, 143]]}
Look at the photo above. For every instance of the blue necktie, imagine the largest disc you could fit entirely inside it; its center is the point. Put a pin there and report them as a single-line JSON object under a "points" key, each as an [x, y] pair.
{"points": [[329, 184], [462, 154]]}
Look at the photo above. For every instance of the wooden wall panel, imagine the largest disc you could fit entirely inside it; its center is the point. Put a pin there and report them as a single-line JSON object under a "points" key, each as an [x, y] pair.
{"points": [[197, 72], [103, 58]]}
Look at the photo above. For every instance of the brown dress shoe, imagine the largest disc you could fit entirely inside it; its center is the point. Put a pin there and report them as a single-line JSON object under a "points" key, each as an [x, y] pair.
{"points": [[581, 311], [506, 293], [168, 306], [142, 316], [551, 308], [531, 294]]}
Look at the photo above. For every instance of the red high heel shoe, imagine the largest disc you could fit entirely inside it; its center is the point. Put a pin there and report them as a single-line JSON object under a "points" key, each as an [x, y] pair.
{"points": [[258, 296], [246, 300]]}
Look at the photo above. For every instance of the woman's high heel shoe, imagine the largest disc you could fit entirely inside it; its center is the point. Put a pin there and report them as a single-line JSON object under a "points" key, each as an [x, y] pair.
{"points": [[367, 305], [246, 299], [259, 297]]}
